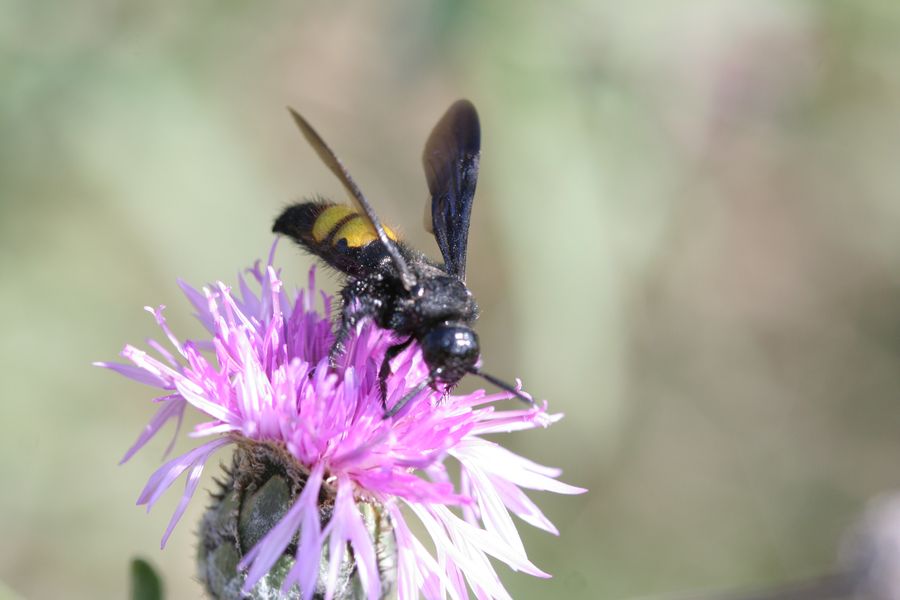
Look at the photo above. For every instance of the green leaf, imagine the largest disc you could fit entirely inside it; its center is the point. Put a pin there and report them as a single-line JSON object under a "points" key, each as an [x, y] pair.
{"points": [[145, 583]]}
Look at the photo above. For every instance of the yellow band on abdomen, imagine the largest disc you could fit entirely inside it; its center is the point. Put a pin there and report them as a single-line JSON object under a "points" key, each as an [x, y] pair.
{"points": [[328, 220], [357, 232], [351, 226]]}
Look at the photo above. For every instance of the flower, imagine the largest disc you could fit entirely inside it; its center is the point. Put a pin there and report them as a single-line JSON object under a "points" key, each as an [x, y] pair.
{"points": [[264, 380]]}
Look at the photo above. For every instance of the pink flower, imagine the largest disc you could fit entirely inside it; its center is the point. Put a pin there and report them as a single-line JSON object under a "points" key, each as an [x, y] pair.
{"points": [[264, 377]]}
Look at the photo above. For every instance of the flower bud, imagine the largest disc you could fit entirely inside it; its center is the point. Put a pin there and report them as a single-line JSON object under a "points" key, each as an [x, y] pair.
{"points": [[258, 490]]}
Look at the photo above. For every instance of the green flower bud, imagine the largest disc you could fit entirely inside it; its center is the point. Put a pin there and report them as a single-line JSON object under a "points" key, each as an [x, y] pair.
{"points": [[257, 491]]}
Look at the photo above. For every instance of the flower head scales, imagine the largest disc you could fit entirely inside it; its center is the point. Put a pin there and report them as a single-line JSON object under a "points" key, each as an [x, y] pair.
{"points": [[264, 377]]}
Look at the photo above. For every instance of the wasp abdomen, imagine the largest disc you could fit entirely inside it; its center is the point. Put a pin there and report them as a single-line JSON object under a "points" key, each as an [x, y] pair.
{"points": [[319, 224]]}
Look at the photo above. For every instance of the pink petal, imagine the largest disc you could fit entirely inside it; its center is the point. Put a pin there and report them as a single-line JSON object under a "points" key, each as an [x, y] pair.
{"points": [[493, 511], [263, 555], [250, 301], [190, 486], [336, 551], [172, 408], [354, 531], [485, 542], [167, 356], [163, 478], [499, 461], [134, 373], [200, 305], [464, 556], [309, 551], [164, 325], [416, 568], [196, 396], [211, 428], [516, 500], [151, 365], [508, 421]]}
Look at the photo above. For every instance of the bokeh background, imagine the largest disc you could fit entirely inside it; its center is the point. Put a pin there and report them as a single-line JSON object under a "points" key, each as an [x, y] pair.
{"points": [[686, 236]]}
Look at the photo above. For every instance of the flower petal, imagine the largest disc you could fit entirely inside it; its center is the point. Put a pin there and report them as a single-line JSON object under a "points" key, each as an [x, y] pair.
{"points": [[263, 555], [309, 552], [171, 408], [354, 531], [134, 373], [166, 475], [499, 461], [200, 305], [416, 568], [522, 506], [493, 511]]}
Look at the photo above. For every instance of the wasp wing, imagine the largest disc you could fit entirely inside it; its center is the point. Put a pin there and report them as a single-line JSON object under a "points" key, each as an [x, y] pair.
{"points": [[451, 168], [335, 165]]}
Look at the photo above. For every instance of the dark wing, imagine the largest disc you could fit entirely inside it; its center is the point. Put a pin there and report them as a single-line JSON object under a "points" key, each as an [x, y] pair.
{"points": [[334, 164], [451, 168]]}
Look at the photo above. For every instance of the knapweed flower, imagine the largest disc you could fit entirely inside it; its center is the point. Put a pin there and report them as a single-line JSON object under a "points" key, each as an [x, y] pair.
{"points": [[346, 480]]}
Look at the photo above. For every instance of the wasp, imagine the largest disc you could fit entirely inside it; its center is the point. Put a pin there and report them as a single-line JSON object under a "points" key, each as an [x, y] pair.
{"points": [[391, 283]]}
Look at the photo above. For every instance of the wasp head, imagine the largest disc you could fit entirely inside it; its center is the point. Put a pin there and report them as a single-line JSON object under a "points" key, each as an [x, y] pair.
{"points": [[450, 350]]}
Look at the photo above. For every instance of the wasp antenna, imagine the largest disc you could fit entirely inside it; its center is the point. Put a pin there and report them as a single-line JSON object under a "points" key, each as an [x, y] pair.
{"points": [[335, 165], [398, 406], [503, 386]]}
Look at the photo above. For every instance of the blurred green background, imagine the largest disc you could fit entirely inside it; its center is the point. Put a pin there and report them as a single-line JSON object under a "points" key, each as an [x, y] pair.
{"points": [[686, 236]]}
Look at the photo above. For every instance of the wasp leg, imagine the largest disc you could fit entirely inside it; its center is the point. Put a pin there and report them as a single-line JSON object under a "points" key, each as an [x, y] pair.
{"points": [[385, 369], [405, 399], [353, 313], [358, 303]]}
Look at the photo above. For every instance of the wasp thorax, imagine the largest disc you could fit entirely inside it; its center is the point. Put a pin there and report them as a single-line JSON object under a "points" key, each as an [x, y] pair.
{"points": [[443, 299]]}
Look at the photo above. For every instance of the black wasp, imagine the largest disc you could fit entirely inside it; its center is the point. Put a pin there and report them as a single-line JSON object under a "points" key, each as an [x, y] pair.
{"points": [[391, 283]]}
